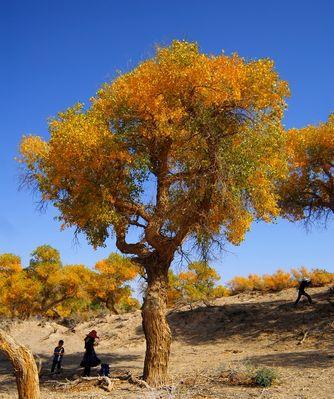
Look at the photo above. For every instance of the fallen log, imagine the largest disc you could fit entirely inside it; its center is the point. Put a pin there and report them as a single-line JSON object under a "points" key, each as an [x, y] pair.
{"points": [[106, 383], [102, 382]]}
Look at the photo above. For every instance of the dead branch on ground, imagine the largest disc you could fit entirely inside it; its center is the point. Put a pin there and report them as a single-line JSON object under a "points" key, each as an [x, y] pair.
{"points": [[304, 337], [106, 383]]}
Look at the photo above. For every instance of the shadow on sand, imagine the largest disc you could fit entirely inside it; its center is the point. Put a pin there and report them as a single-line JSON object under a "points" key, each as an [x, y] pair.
{"points": [[71, 368], [249, 320], [305, 359]]}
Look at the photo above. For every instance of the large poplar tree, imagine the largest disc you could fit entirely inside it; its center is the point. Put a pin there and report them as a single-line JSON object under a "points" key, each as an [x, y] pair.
{"points": [[184, 146]]}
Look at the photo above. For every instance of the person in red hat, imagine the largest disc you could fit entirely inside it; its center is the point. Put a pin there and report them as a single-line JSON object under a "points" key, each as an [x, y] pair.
{"points": [[90, 359]]}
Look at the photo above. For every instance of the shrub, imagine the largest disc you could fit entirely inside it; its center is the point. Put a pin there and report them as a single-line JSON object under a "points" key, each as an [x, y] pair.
{"points": [[280, 280], [265, 377], [300, 273], [241, 284], [247, 374], [321, 277]]}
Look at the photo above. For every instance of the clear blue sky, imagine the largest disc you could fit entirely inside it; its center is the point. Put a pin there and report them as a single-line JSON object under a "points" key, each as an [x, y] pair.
{"points": [[55, 53]]}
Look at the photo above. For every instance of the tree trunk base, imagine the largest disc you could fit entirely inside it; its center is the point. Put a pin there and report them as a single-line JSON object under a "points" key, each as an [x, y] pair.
{"points": [[24, 365], [156, 328]]}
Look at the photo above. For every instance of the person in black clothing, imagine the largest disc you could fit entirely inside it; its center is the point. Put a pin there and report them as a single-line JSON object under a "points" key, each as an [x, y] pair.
{"points": [[301, 290], [90, 359], [58, 354]]}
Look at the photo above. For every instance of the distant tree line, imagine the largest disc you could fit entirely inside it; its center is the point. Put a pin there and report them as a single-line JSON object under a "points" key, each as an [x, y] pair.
{"points": [[48, 288]]}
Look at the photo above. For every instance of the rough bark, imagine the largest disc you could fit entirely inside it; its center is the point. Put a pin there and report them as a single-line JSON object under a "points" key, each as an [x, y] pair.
{"points": [[24, 365], [110, 304], [155, 326]]}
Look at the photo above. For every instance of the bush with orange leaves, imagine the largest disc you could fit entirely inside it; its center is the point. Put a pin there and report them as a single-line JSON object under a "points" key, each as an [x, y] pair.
{"points": [[318, 277], [280, 280]]}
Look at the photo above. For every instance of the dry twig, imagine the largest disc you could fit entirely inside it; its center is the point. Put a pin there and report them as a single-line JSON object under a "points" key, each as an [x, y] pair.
{"points": [[304, 337]]}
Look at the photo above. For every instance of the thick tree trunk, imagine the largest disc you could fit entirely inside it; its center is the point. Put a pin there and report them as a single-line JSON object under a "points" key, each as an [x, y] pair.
{"points": [[110, 303], [24, 366], [155, 325]]}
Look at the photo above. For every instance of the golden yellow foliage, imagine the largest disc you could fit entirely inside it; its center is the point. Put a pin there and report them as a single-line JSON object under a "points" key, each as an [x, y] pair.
{"points": [[207, 127], [198, 283], [109, 283], [10, 263], [318, 277], [280, 280], [48, 288], [19, 295], [308, 193]]}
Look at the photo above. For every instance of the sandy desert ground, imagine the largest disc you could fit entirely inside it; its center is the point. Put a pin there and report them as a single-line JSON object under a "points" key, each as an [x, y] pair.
{"points": [[235, 334]]}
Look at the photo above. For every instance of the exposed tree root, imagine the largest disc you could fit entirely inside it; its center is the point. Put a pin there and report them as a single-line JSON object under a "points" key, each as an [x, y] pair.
{"points": [[137, 381]]}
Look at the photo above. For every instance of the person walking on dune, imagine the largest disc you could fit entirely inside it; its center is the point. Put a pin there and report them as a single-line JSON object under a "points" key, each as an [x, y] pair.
{"points": [[305, 282], [90, 359]]}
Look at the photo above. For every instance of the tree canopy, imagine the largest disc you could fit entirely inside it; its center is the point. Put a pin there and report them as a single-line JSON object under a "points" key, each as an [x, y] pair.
{"points": [[308, 193], [185, 144]]}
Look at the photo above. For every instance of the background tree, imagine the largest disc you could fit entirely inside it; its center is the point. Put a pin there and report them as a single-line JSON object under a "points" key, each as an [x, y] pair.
{"points": [[308, 193], [18, 292], [45, 255], [198, 283], [45, 270], [50, 289], [108, 285], [69, 293], [10, 263], [185, 146], [62, 289]]}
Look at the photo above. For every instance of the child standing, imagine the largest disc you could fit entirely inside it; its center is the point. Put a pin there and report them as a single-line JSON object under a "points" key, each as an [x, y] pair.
{"points": [[58, 354]]}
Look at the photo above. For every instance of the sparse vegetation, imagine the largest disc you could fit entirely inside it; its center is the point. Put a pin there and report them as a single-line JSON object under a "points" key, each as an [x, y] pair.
{"points": [[248, 375], [265, 377]]}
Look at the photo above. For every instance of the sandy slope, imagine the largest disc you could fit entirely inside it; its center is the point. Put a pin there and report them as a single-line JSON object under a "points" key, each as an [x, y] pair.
{"points": [[236, 333]]}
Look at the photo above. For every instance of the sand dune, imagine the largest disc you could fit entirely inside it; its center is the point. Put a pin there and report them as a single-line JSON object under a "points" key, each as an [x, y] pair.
{"points": [[235, 332]]}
